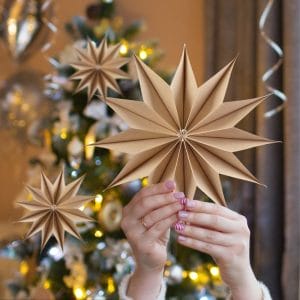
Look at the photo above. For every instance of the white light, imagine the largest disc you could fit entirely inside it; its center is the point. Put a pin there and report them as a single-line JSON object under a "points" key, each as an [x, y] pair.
{"points": [[55, 253]]}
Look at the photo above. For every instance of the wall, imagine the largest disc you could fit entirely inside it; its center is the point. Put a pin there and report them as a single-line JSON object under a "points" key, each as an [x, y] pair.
{"points": [[171, 22]]}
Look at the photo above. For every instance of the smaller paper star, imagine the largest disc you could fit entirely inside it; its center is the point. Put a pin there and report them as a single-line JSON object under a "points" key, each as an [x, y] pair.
{"points": [[54, 209], [98, 68]]}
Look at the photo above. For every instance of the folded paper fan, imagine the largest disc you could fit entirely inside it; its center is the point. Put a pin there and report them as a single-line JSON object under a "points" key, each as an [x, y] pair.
{"points": [[98, 68], [54, 209], [183, 132]]}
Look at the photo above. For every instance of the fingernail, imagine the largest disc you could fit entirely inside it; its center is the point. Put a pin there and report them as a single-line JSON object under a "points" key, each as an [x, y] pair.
{"points": [[182, 214], [178, 195], [179, 227], [191, 203], [183, 201], [181, 238], [170, 184]]}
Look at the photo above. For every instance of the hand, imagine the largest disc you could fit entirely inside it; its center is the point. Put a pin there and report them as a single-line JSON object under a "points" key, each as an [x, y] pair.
{"points": [[146, 223], [223, 234]]}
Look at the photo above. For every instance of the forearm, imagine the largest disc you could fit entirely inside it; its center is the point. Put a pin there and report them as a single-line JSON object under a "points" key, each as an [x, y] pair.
{"points": [[145, 285]]}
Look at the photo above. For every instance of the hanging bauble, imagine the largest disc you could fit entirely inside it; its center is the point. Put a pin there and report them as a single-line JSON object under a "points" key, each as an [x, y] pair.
{"points": [[24, 107], [25, 26], [110, 214]]}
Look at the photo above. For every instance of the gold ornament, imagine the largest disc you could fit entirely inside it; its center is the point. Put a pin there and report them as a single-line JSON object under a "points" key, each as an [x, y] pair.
{"points": [[110, 214], [55, 209], [183, 132], [98, 68]]}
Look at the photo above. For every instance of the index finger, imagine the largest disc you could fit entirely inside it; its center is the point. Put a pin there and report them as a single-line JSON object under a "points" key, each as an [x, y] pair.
{"points": [[154, 189], [211, 208]]}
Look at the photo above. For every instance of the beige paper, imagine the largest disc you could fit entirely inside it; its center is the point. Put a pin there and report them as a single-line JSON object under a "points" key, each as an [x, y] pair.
{"points": [[54, 209], [98, 68], [183, 132]]}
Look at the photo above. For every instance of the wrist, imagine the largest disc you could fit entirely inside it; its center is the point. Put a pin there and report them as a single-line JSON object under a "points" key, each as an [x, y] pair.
{"points": [[145, 283], [248, 288]]}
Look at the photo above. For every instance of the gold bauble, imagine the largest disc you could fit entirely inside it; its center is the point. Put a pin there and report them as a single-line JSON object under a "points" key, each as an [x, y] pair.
{"points": [[110, 214]]}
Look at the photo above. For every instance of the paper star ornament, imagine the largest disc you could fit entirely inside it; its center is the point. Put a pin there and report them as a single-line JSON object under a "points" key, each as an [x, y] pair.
{"points": [[54, 209], [183, 132], [98, 68]]}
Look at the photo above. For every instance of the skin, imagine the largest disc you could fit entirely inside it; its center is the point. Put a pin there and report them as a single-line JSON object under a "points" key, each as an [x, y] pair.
{"points": [[210, 228]]}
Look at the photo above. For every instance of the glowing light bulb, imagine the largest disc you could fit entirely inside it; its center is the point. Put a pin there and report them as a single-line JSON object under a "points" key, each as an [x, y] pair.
{"points": [[110, 285], [24, 268], [143, 54], [47, 284], [124, 48], [193, 275], [145, 181], [98, 234], [63, 133], [98, 202], [79, 293], [214, 271]]}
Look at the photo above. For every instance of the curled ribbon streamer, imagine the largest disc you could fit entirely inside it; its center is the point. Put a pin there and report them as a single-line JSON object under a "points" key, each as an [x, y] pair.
{"points": [[50, 26], [269, 73]]}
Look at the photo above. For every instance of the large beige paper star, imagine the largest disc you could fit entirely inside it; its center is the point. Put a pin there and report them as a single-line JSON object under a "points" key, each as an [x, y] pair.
{"points": [[54, 209], [98, 68], [183, 132]]}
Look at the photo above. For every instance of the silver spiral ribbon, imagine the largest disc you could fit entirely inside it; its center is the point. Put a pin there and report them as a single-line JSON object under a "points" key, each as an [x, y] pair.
{"points": [[270, 72], [50, 25]]}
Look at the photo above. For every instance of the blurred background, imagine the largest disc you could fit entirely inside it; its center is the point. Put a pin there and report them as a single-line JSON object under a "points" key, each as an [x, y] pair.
{"points": [[44, 125]]}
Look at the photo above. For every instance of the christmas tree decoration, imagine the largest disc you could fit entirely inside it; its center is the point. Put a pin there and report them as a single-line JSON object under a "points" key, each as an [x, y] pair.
{"points": [[110, 215], [24, 109], [98, 68], [183, 132], [26, 26], [54, 209]]}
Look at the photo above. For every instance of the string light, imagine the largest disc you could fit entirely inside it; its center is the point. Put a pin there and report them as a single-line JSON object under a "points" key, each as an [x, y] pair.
{"points": [[193, 275], [143, 54], [63, 133], [124, 48], [214, 271], [98, 233], [145, 181], [47, 284], [79, 293], [98, 202], [110, 285], [203, 277], [184, 274], [24, 268]]}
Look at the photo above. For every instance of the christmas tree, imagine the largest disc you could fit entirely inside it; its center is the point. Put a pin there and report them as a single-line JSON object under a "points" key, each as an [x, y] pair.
{"points": [[93, 268]]}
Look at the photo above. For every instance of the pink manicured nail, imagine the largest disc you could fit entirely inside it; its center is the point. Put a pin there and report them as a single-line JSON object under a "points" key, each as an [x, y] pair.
{"points": [[183, 201], [170, 184], [178, 195], [183, 214], [181, 238], [191, 203], [179, 227]]}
